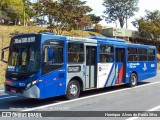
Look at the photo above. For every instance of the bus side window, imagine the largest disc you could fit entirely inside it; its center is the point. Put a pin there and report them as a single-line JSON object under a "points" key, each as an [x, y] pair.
{"points": [[106, 54], [151, 54], [52, 56], [142, 54], [48, 55], [132, 54], [75, 52]]}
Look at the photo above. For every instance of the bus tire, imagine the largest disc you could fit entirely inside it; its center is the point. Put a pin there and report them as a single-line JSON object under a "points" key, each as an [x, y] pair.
{"points": [[133, 80], [73, 90]]}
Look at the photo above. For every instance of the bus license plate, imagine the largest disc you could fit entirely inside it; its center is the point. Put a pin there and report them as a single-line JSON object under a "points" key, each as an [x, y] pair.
{"points": [[13, 91]]}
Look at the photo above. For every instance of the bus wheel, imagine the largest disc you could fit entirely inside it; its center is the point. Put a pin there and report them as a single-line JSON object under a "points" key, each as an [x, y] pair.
{"points": [[73, 90], [133, 80]]}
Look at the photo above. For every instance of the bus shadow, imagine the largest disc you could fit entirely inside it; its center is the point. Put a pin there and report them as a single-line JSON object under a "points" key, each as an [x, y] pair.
{"points": [[108, 89], [25, 103]]}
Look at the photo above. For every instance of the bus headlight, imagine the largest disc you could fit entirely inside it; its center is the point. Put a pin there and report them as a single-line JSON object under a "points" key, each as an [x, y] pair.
{"points": [[34, 82], [31, 84]]}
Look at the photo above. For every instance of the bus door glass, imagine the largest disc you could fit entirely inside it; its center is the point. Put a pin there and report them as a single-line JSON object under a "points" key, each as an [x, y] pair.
{"points": [[120, 63], [91, 67]]}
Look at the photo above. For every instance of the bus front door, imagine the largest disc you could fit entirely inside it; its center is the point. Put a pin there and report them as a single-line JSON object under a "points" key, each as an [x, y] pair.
{"points": [[90, 67], [120, 65]]}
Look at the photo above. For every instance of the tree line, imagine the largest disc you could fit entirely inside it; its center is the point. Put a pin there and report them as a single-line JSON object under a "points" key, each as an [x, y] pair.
{"points": [[60, 15], [121, 10]]}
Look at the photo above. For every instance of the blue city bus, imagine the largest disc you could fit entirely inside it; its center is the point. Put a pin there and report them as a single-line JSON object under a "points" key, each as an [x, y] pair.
{"points": [[44, 65]]}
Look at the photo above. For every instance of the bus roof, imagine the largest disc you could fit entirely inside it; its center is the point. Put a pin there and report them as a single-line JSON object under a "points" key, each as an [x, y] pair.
{"points": [[107, 39], [91, 39], [139, 45]]}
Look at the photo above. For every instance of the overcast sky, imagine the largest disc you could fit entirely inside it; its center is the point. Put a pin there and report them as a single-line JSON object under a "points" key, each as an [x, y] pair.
{"points": [[98, 9]]}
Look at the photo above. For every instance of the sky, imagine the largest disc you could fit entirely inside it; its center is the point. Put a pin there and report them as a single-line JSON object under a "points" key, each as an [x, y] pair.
{"points": [[143, 5]]}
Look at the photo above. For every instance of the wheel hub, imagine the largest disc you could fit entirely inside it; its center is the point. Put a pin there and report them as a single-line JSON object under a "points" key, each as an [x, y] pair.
{"points": [[133, 80], [73, 89]]}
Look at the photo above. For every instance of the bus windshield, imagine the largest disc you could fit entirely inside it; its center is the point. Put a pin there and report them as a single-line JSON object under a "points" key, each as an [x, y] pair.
{"points": [[24, 59]]}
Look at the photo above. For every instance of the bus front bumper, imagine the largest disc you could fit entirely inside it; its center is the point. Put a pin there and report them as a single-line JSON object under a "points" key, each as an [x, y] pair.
{"points": [[32, 92]]}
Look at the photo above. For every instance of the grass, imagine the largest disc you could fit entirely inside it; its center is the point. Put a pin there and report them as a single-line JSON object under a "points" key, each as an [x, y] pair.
{"points": [[1, 82]]}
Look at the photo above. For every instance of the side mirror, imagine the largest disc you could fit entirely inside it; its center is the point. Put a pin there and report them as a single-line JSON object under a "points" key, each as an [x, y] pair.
{"points": [[3, 55]]}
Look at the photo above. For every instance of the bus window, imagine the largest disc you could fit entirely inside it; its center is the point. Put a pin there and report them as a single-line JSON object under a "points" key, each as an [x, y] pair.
{"points": [[24, 58], [132, 54], [75, 53], [106, 53], [120, 55], [52, 56], [151, 54], [142, 54]]}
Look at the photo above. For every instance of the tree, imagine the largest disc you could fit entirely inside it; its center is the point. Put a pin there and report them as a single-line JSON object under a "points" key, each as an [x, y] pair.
{"points": [[149, 25], [85, 21], [13, 8], [39, 12], [28, 11], [120, 10], [72, 12], [65, 14], [4, 17], [95, 19], [16, 11], [98, 27]]}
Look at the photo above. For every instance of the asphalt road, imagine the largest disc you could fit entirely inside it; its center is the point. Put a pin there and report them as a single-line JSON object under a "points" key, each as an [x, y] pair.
{"points": [[144, 97]]}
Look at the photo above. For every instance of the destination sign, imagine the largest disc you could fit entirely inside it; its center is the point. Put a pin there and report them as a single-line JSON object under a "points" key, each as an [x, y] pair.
{"points": [[74, 68], [24, 40]]}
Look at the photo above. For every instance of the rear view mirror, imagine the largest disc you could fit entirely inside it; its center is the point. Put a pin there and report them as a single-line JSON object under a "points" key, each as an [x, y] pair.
{"points": [[4, 55]]}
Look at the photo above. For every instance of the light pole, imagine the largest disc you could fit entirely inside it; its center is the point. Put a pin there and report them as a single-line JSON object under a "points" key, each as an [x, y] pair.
{"points": [[24, 13], [126, 14]]}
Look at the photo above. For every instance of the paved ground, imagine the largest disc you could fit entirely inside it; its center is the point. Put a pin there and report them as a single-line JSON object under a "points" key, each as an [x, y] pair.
{"points": [[141, 98]]}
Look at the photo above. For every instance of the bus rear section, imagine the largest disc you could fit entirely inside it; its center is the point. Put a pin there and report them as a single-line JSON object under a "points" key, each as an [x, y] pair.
{"points": [[142, 62]]}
